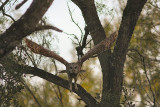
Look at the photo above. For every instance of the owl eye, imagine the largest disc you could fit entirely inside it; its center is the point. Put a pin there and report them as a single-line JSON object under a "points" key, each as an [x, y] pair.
{"points": [[70, 67], [75, 67]]}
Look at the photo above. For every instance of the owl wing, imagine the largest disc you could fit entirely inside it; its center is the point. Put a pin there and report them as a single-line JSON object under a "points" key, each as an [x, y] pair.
{"points": [[102, 46], [38, 49]]}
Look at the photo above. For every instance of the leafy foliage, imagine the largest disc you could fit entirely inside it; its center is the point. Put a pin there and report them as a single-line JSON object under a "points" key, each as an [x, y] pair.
{"points": [[142, 65], [10, 82]]}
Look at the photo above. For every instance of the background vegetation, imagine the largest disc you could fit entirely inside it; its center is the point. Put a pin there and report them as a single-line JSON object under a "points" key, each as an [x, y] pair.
{"points": [[141, 86]]}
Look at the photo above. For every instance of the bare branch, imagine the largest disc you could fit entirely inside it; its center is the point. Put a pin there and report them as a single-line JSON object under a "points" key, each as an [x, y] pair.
{"points": [[24, 26], [86, 97], [74, 20], [59, 96], [85, 37], [4, 4], [145, 71], [30, 91], [75, 36], [46, 27], [5, 14], [80, 48], [20, 4]]}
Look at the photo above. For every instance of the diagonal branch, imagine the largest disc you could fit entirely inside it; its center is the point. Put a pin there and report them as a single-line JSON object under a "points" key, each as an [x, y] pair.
{"points": [[30, 91], [24, 26], [70, 13], [86, 97], [85, 37], [5, 14], [46, 27], [128, 23], [142, 59], [81, 92], [4, 4], [20, 4]]}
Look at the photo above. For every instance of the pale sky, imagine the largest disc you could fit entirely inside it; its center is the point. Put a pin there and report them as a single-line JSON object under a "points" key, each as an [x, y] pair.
{"points": [[58, 15]]}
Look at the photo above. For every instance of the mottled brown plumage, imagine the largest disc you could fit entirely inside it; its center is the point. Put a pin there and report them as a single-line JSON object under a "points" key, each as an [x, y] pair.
{"points": [[72, 69], [38, 49], [102, 46]]}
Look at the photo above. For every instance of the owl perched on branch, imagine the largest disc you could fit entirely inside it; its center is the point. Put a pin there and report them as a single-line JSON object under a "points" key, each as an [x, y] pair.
{"points": [[73, 69]]}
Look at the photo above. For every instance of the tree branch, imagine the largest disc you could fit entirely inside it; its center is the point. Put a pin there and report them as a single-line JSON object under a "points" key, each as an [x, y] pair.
{"points": [[128, 23], [32, 94], [20, 4], [4, 4], [80, 48], [142, 59], [112, 64], [46, 27], [5, 14], [86, 97], [24, 26]]}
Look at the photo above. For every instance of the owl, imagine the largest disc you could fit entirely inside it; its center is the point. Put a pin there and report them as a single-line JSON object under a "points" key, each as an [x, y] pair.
{"points": [[73, 69]]}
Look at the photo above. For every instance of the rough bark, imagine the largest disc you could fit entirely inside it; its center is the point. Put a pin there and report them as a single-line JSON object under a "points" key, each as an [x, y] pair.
{"points": [[112, 63], [81, 92], [85, 96], [114, 78], [23, 27]]}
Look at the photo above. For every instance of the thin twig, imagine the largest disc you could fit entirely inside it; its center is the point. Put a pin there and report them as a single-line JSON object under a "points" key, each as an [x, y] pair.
{"points": [[4, 4], [74, 20], [74, 37], [145, 71], [29, 56], [3, 11], [29, 90], [59, 96]]}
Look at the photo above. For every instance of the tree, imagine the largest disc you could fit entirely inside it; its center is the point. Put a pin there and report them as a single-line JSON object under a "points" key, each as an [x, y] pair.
{"points": [[142, 62], [112, 62]]}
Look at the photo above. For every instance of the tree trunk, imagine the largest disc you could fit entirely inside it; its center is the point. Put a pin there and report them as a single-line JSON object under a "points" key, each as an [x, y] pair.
{"points": [[112, 64]]}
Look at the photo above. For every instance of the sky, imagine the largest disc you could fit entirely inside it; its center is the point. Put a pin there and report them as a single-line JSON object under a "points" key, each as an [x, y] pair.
{"points": [[58, 15]]}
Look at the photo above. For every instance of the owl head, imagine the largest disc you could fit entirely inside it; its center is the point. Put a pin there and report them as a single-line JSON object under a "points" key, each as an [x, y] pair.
{"points": [[74, 68]]}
